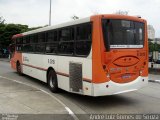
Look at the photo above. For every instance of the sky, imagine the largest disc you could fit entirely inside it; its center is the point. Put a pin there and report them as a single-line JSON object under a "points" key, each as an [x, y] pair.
{"points": [[36, 12]]}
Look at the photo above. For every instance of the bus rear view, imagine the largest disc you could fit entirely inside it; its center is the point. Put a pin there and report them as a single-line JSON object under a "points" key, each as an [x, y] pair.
{"points": [[123, 55]]}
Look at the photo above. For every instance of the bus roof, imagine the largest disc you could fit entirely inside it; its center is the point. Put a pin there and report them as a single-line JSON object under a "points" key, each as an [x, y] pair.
{"points": [[17, 35], [78, 21]]}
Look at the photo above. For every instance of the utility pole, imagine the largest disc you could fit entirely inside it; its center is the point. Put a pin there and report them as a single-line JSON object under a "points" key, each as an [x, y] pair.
{"points": [[50, 13]]}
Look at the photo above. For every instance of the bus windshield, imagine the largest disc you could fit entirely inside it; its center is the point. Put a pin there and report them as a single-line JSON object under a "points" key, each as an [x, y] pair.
{"points": [[124, 33]]}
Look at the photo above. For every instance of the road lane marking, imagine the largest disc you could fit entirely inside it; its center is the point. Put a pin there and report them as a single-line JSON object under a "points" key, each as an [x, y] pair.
{"points": [[65, 106]]}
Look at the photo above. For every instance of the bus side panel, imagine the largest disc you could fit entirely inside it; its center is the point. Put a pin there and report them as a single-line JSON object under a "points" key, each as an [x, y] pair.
{"points": [[64, 72], [99, 75], [36, 65], [16, 57], [146, 72]]}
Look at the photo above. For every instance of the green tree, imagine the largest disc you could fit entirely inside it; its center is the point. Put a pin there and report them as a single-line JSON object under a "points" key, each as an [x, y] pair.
{"points": [[23, 28], [2, 30], [151, 47], [8, 30], [34, 28]]}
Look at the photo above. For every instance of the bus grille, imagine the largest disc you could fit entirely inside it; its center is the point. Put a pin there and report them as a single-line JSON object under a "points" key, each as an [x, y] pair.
{"points": [[75, 73]]}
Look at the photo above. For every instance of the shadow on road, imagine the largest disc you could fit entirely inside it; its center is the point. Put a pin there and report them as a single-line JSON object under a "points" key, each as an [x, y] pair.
{"points": [[108, 101], [90, 104]]}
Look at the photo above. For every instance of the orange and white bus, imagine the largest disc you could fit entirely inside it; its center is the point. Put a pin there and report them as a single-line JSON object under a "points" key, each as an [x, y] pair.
{"points": [[96, 56]]}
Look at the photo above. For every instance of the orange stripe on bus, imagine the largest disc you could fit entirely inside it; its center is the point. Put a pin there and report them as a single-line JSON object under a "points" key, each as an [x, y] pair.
{"points": [[59, 73], [87, 80], [67, 75], [63, 74], [35, 67]]}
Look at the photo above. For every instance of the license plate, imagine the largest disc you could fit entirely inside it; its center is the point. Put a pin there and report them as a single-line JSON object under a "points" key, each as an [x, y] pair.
{"points": [[126, 76]]}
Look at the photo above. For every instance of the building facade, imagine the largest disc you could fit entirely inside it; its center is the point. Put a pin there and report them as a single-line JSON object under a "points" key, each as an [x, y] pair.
{"points": [[151, 32]]}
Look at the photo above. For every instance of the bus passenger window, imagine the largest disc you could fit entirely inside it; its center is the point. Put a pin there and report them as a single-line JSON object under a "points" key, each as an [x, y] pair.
{"points": [[39, 48], [51, 36], [66, 34], [41, 37], [19, 42], [28, 48], [27, 39], [66, 48], [51, 48], [33, 39], [19, 48], [24, 40], [66, 43], [83, 39]]}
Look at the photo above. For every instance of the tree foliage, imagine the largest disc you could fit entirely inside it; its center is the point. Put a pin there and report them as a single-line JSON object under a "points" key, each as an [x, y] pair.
{"points": [[153, 47], [8, 30]]}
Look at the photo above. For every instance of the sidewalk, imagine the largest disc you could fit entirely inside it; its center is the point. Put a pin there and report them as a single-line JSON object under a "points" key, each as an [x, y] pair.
{"points": [[17, 98]]}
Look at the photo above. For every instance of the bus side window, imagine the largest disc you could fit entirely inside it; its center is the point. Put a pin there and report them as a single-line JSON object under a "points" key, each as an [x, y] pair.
{"points": [[51, 48], [27, 39], [49, 36], [66, 43], [52, 42], [19, 42], [33, 38], [38, 45], [39, 48], [41, 37], [83, 39], [26, 42]]}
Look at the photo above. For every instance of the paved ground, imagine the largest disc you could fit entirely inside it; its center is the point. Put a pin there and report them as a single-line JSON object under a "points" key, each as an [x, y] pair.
{"points": [[19, 98], [144, 101], [4, 59]]}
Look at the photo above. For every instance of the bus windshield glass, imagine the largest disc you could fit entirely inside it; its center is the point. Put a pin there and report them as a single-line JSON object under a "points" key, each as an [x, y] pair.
{"points": [[124, 33]]}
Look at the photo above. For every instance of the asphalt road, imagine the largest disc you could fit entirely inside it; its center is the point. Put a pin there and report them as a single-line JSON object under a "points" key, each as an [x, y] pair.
{"points": [[144, 101]]}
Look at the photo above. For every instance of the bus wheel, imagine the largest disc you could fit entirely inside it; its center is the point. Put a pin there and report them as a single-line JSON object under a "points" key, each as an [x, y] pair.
{"points": [[19, 69], [52, 81]]}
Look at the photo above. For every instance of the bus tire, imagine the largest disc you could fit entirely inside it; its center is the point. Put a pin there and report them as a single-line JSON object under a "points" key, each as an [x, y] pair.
{"points": [[52, 81], [19, 69]]}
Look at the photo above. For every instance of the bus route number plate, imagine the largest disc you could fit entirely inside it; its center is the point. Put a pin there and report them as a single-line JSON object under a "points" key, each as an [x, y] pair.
{"points": [[51, 61], [126, 76]]}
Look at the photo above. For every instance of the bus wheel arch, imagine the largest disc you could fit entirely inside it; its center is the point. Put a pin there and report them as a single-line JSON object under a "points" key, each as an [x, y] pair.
{"points": [[52, 80], [19, 68]]}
